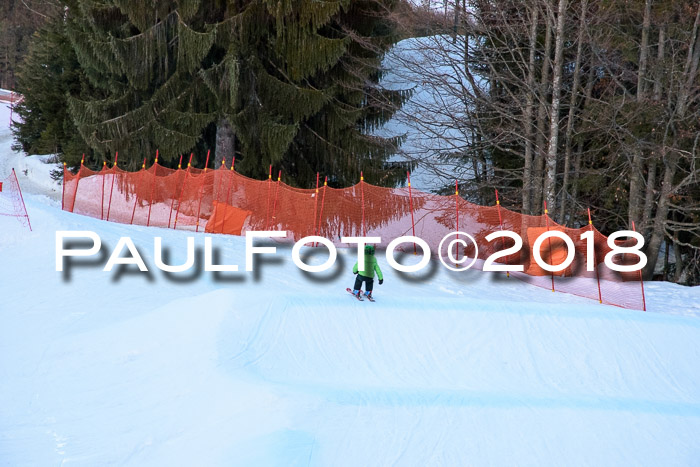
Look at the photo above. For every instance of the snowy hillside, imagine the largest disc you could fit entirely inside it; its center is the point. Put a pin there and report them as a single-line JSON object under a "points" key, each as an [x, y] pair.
{"points": [[281, 367]]}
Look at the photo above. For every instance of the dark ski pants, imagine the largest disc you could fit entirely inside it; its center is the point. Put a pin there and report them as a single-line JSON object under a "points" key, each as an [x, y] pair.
{"points": [[368, 280]]}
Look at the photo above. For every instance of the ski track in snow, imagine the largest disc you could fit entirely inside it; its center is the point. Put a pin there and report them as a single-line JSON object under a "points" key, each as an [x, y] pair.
{"points": [[125, 368]]}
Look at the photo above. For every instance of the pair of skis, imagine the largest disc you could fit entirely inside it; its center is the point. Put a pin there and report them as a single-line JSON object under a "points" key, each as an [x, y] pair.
{"points": [[360, 296]]}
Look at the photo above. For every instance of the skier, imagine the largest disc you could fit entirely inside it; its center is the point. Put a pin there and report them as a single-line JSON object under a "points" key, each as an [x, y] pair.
{"points": [[367, 274]]}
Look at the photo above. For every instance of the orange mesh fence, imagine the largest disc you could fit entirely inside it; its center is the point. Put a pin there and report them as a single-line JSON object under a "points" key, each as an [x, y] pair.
{"points": [[224, 201], [11, 200]]}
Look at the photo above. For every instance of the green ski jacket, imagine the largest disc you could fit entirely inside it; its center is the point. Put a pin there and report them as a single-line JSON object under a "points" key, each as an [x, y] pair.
{"points": [[370, 266]]}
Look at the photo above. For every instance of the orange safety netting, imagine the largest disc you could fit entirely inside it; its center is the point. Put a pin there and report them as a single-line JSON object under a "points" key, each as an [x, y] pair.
{"points": [[224, 201], [11, 200]]}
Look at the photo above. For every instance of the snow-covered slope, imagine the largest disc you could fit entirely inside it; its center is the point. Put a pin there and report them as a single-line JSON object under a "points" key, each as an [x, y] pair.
{"points": [[280, 367]]}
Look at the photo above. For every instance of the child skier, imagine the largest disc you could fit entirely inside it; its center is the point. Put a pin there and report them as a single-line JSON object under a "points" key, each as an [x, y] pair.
{"points": [[367, 274]]}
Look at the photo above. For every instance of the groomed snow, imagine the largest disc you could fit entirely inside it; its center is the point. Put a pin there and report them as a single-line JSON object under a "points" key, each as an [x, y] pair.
{"points": [[285, 368]]}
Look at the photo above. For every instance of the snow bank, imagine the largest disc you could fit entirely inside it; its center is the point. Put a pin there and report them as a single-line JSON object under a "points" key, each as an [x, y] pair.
{"points": [[33, 172]]}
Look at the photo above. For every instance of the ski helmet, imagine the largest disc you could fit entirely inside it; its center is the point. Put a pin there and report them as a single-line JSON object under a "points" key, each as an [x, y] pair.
{"points": [[369, 249]]}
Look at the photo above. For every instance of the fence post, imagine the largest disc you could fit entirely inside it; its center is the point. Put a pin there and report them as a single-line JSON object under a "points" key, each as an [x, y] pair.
{"points": [[223, 183], [316, 202], [77, 182], [500, 222], [641, 280], [172, 202], [362, 190], [136, 193], [550, 239], [184, 183], [267, 203], [277, 190], [410, 203], [595, 261], [63, 196], [153, 186], [102, 204], [109, 205], [323, 201], [199, 206]]}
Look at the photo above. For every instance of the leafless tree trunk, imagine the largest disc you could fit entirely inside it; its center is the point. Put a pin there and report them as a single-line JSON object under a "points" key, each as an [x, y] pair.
{"points": [[537, 182], [636, 176], [550, 181], [659, 63], [649, 198], [572, 110], [679, 256], [650, 194], [579, 149], [456, 22], [527, 120], [644, 52]]}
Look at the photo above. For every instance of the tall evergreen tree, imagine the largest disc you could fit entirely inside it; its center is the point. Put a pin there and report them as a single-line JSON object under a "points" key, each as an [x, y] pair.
{"points": [[49, 71], [311, 91], [142, 90], [288, 83]]}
